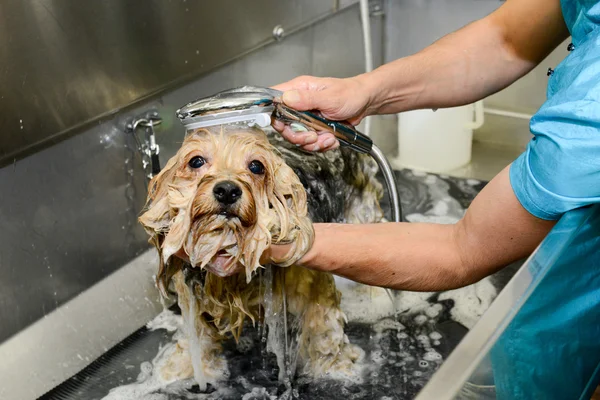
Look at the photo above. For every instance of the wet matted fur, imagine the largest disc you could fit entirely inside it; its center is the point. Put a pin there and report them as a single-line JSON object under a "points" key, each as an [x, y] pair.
{"points": [[281, 191]]}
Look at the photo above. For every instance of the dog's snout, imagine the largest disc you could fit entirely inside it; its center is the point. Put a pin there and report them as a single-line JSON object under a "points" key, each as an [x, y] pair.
{"points": [[227, 192]]}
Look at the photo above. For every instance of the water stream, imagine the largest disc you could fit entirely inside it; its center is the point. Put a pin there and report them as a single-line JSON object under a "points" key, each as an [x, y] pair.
{"points": [[401, 353]]}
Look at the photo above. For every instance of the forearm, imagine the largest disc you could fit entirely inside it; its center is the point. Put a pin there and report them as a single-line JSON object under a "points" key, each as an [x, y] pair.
{"points": [[459, 69], [407, 256], [495, 231], [471, 63]]}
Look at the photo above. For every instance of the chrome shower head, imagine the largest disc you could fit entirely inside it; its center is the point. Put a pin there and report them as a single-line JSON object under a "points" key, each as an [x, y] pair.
{"points": [[246, 104], [256, 105]]}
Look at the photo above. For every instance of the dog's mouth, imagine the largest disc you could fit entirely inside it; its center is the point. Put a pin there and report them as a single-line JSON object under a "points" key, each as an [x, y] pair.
{"points": [[224, 263], [227, 213]]}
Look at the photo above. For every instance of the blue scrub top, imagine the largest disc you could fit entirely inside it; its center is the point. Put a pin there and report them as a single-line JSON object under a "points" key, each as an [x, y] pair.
{"points": [[551, 349], [560, 170]]}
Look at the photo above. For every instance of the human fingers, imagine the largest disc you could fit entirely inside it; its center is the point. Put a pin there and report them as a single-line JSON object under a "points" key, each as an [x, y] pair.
{"points": [[304, 82], [326, 141], [298, 138], [274, 254]]}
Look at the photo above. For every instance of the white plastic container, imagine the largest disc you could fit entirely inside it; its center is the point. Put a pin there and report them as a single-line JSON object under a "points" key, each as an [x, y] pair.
{"points": [[437, 141]]}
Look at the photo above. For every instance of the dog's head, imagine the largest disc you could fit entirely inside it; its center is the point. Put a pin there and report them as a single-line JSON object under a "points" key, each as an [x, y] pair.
{"points": [[223, 199]]}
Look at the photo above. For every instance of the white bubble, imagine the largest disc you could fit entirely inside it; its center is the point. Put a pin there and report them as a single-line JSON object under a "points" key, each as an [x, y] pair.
{"points": [[377, 357], [435, 335], [423, 364], [432, 356], [422, 338], [434, 310]]}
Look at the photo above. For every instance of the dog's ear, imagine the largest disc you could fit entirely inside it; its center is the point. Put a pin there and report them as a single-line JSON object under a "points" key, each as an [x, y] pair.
{"points": [[287, 198], [286, 195], [155, 216], [156, 219]]}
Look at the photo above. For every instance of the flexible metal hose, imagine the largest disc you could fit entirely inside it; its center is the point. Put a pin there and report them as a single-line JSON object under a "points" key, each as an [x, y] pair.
{"points": [[388, 174]]}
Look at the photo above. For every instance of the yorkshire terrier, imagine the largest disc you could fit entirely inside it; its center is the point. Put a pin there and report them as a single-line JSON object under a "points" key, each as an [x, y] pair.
{"points": [[228, 194]]}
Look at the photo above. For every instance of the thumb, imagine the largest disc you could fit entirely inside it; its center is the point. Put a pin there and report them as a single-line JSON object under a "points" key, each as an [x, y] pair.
{"points": [[302, 100]]}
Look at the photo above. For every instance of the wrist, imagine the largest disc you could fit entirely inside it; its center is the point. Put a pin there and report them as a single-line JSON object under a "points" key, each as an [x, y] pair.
{"points": [[370, 88], [313, 259], [397, 86]]}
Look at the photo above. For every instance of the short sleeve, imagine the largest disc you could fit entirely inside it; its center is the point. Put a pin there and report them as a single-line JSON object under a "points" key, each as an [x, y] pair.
{"points": [[560, 169]]}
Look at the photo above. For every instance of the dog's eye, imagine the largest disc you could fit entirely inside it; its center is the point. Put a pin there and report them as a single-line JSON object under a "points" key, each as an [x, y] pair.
{"points": [[196, 162], [256, 167]]}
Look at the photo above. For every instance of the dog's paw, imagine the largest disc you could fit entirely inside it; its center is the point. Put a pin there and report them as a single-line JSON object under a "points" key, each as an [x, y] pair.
{"points": [[212, 369], [347, 364], [178, 365], [206, 367]]}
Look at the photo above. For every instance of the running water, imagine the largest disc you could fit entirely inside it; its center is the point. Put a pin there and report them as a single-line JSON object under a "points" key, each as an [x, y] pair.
{"points": [[401, 353], [278, 337], [195, 339]]}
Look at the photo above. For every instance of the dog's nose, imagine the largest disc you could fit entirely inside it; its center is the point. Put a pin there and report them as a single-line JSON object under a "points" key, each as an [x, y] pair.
{"points": [[227, 192]]}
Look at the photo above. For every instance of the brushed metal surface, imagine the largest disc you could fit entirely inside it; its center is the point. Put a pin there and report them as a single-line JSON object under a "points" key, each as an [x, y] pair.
{"points": [[413, 25], [72, 336], [65, 63], [67, 220]]}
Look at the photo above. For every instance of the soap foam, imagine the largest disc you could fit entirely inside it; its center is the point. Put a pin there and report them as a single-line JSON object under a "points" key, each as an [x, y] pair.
{"points": [[365, 304], [167, 320], [432, 355], [471, 302], [149, 380], [388, 324], [259, 394]]}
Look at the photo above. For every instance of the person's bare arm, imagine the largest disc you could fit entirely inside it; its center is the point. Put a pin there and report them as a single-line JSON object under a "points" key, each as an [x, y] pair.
{"points": [[462, 67], [495, 231], [473, 62]]}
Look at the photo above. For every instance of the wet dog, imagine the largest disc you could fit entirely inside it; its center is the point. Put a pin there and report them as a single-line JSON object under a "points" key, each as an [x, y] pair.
{"points": [[227, 195]]}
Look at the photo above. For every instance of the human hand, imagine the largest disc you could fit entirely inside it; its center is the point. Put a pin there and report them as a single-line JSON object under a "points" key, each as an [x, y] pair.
{"points": [[336, 99]]}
